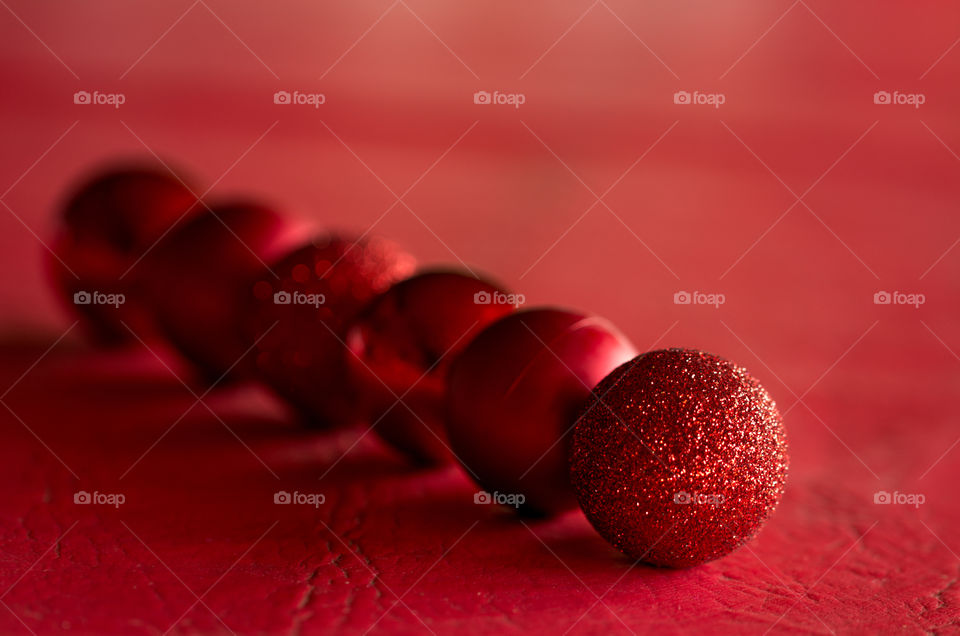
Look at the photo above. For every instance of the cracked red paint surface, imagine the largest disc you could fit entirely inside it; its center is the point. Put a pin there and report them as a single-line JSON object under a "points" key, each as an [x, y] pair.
{"points": [[200, 519]]}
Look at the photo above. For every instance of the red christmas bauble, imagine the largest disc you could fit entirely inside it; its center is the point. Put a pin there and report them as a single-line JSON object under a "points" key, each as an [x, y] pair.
{"points": [[301, 317], [679, 457], [107, 226], [198, 280], [515, 393], [403, 344]]}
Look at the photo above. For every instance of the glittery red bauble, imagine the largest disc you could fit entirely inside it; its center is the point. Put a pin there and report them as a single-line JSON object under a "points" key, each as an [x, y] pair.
{"points": [[679, 457], [403, 344], [515, 393], [198, 283], [304, 312], [108, 224]]}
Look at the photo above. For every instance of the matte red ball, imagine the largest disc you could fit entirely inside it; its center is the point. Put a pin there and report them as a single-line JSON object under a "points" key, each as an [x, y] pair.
{"points": [[515, 393], [403, 345], [679, 457], [304, 313], [198, 283], [107, 225]]}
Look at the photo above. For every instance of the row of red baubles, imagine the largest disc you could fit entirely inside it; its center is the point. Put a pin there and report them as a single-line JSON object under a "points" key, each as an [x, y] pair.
{"points": [[343, 330]]}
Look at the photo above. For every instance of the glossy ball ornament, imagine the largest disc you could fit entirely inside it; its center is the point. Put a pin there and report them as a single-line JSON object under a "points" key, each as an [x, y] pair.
{"points": [[403, 345], [515, 393], [301, 318], [107, 225], [198, 283], [679, 457]]}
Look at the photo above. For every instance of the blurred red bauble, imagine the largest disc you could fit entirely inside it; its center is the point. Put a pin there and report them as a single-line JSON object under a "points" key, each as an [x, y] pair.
{"points": [[108, 224], [305, 312], [515, 393], [403, 344], [679, 458], [198, 283]]}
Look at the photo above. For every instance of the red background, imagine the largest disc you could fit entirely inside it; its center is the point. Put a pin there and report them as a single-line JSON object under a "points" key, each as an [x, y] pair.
{"points": [[692, 198]]}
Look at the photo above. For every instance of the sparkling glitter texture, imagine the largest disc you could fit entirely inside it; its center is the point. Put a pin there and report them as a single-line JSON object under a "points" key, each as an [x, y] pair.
{"points": [[299, 320], [679, 457]]}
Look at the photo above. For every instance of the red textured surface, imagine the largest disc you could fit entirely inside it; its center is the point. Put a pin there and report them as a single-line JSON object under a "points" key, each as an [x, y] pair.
{"points": [[713, 203]]}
